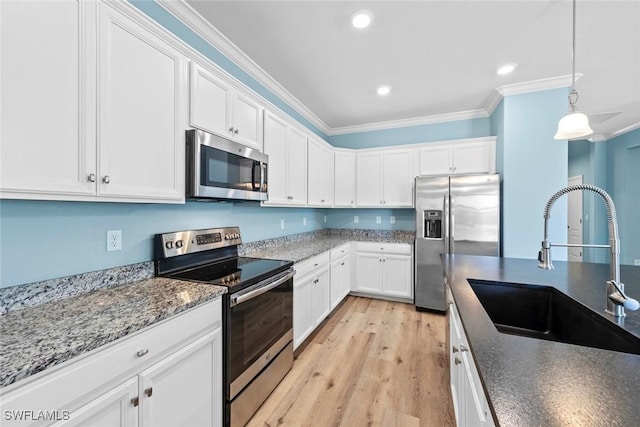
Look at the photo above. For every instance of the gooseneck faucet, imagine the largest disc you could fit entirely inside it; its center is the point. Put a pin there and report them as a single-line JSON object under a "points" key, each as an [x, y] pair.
{"points": [[617, 301]]}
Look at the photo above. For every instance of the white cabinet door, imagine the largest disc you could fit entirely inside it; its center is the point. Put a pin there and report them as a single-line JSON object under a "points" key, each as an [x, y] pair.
{"points": [[320, 173], [340, 280], [275, 145], [115, 408], [345, 179], [186, 387], [396, 275], [246, 114], [437, 160], [321, 296], [209, 107], [296, 166], [140, 130], [455, 364], [369, 180], [303, 322], [369, 272], [474, 158], [47, 86], [398, 179]]}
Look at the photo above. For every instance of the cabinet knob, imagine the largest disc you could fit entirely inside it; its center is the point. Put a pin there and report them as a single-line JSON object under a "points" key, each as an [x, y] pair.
{"points": [[322, 200], [149, 391], [464, 347], [316, 281], [236, 131], [106, 179], [142, 352], [91, 177], [457, 361], [135, 401], [342, 263], [454, 349], [231, 129], [352, 202]]}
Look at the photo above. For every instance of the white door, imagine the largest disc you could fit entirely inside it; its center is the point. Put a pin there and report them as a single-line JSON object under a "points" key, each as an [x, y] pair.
{"points": [[369, 272], [47, 139], [321, 296], [296, 166], [117, 408], [140, 131], [435, 160], [209, 101], [396, 277], [574, 222], [473, 158], [345, 179], [369, 180], [275, 146], [315, 173], [185, 389], [302, 316], [398, 179], [247, 121]]}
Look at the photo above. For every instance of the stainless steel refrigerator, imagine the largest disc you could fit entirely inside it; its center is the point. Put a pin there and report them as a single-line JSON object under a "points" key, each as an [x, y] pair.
{"points": [[454, 215]]}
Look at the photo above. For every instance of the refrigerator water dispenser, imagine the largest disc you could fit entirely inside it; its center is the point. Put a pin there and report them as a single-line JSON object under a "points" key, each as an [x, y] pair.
{"points": [[433, 224]]}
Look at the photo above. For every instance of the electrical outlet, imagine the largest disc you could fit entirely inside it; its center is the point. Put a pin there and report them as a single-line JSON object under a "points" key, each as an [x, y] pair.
{"points": [[392, 220], [325, 219], [378, 220], [282, 224], [636, 262], [114, 240], [304, 220], [356, 219]]}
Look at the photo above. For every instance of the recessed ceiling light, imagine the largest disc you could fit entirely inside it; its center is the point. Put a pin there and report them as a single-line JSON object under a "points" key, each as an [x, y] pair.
{"points": [[506, 69], [384, 90], [361, 19]]}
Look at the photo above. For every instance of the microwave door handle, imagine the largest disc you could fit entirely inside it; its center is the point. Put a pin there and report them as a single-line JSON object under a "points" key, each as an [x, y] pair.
{"points": [[263, 177], [264, 286], [253, 175]]}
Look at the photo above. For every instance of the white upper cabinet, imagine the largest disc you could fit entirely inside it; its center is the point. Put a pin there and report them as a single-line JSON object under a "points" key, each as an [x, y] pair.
{"points": [[86, 118], [286, 147], [320, 173], [140, 129], [47, 95], [219, 108], [459, 158], [385, 179], [344, 179]]}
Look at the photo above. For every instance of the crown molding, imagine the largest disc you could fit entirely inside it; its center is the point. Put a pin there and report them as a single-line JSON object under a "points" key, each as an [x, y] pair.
{"points": [[537, 85], [415, 121], [196, 22], [624, 130]]}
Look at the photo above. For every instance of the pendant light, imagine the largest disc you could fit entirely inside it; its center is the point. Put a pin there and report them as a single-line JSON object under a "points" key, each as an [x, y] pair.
{"points": [[574, 124]]}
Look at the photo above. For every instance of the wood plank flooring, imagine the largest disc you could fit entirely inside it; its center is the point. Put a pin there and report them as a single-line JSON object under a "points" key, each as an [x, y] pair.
{"points": [[372, 363]]}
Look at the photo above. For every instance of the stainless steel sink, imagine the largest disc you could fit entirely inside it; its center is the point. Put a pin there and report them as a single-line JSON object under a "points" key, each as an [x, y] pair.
{"points": [[545, 313]]}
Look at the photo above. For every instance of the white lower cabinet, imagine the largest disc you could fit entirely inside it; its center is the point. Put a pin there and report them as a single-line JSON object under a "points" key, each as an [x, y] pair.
{"points": [[340, 274], [311, 296], [168, 374], [384, 269], [469, 401]]}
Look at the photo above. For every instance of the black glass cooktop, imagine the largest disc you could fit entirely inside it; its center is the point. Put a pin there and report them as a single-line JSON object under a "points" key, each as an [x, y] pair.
{"points": [[235, 273]]}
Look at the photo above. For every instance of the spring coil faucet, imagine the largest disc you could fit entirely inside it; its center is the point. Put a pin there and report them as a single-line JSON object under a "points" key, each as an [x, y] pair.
{"points": [[617, 301]]}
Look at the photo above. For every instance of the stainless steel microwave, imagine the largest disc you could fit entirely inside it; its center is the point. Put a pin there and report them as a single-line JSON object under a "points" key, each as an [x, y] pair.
{"points": [[218, 168]]}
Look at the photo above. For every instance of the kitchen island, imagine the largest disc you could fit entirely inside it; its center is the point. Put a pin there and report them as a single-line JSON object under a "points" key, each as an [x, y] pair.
{"points": [[530, 381]]}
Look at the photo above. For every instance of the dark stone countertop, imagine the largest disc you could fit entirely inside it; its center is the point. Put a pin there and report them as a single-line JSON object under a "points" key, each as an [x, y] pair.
{"points": [[531, 382]]}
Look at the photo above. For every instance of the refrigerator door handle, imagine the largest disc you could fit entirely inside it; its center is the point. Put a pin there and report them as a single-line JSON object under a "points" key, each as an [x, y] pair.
{"points": [[445, 217], [452, 212]]}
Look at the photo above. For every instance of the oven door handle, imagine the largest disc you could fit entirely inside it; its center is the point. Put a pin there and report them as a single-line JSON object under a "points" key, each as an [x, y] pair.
{"points": [[260, 288]]}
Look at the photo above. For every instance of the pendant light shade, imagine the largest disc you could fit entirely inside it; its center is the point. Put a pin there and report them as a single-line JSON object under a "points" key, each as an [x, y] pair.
{"points": [[574, 124]]}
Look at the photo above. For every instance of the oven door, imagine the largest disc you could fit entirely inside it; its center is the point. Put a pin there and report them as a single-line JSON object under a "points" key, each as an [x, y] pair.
{"points": [[220, 168], [259, 326]]}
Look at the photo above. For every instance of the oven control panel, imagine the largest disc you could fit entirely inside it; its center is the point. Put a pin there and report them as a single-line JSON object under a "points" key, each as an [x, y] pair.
{"points": [[184, 242]]}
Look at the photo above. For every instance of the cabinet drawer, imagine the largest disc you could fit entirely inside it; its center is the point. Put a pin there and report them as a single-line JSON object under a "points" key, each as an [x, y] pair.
{"points": [[75, 382], [391, 248], [312, 264], [340, 251]]}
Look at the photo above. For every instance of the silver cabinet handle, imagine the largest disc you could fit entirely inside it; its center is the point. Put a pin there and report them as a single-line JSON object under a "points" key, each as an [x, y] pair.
{"points": [[149, 391], [316, 281], [231, 129], [135, 401], [454, 349], [106, 179], [342, 263], [142, 352], [322, 201], [464, 347], [91, 177], [457, 361], [236, 131]]}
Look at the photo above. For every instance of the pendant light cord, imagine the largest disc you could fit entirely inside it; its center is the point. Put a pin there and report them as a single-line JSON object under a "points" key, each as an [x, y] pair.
{"points": [[573, 49]]}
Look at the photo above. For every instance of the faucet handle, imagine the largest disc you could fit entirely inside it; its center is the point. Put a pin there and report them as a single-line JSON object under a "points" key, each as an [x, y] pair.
{"points": [[620, 298]]}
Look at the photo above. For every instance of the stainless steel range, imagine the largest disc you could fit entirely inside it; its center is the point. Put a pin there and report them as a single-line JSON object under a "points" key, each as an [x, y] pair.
{"points": [[257, 311]]}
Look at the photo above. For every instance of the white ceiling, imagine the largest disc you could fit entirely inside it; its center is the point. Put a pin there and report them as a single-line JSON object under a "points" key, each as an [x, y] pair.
{"points": [[440, 57]]}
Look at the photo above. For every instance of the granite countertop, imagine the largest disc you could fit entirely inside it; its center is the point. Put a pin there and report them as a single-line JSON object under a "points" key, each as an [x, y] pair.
{"points": [[536, 382], [36, 338], [301, 250]]}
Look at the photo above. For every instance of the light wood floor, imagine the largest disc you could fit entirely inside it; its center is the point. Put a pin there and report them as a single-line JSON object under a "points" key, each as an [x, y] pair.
{"points": [[373, 363]]}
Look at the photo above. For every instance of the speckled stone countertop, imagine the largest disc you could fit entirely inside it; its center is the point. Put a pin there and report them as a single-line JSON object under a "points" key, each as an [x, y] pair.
{"points": [[35, 338], [532, 382], [301, 247]]}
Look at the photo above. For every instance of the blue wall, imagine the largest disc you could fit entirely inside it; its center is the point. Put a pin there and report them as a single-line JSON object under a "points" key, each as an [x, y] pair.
{"points": [[344, 218], [459, 129], [623, 183], [42, 240], [533, 166]]}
